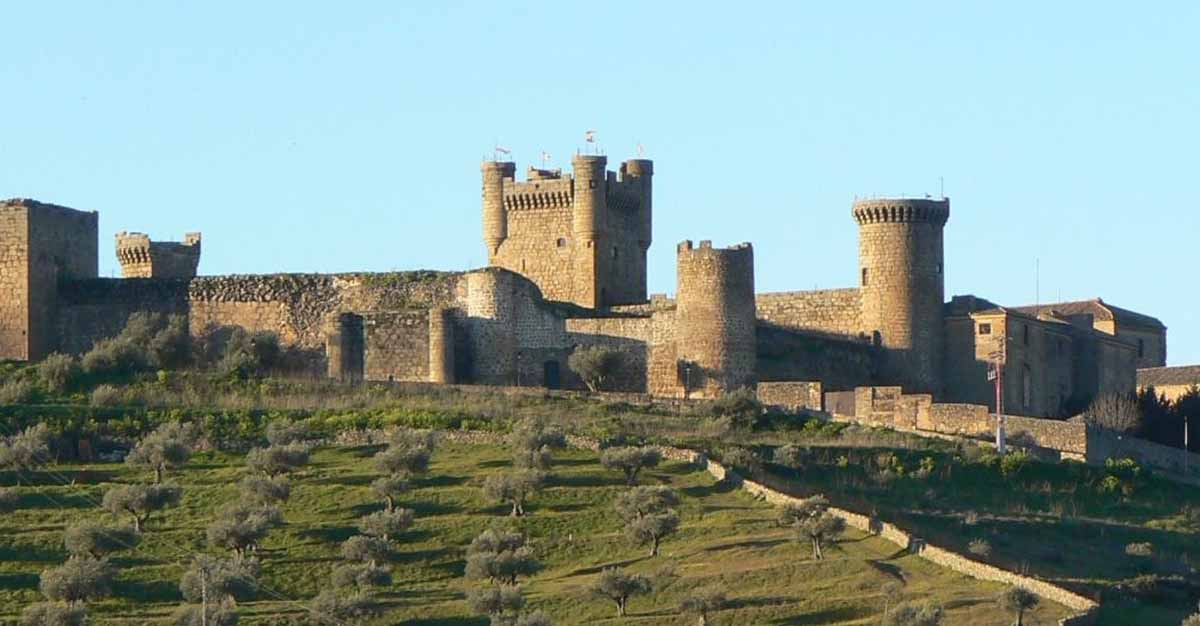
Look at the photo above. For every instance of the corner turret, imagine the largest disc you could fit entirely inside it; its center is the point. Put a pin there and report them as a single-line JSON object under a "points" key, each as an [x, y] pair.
{"points": [[715, 319]]}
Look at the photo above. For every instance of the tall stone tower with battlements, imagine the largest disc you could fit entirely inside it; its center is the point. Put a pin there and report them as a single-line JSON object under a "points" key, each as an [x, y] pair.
{"points": [[580, 238], [142, 258], [715, 321], [902, 284]]}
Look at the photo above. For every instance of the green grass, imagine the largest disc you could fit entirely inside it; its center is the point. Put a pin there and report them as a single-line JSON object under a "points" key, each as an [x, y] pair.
{"points": [[728, 540]]}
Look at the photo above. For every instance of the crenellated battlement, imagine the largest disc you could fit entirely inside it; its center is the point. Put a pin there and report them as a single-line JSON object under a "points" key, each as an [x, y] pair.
{"points": [[142, 258], [902, 210]]}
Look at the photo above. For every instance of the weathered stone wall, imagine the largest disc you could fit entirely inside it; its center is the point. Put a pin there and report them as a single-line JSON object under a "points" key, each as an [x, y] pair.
{"points": [[62, 245], [396, 345], [633, 337], [793, 396], [715, 316], [832, 311], [840, 364], [142, 258], [1102, 445], [14, 281], [441, 346], [901, 285]]}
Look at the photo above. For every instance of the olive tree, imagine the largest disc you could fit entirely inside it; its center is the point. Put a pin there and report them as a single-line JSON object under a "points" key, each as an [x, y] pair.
{"points": [[515, 488], [386, 524], [647, 516], [361, 576], [703, 602], [336, 607], [389, 489], [96, 541], [26, 450], [813, 522], [404, 459], [500, 556], [262, 490], [283, 432], [277, 460], [594, 365], [9, 499], [365, 549], [630, 460], [533, 442], [1018, 600], [1191, 620], [80, 579], [215, 579], [139, 502], [502, 604], [241, 526], [169, 445], [213, 613], [54, 614], [619, 586], [914, 615], [59, 371]]}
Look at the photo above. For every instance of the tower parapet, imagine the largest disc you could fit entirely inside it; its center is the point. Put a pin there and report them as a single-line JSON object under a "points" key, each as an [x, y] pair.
{"points": [[582, 237], [902, 286], [715, 318], [142, 258]]}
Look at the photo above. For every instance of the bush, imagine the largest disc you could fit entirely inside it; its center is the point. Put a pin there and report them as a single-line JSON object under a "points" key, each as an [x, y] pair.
{"points": [[333, 606], [77, 580], [8, 500], [18, 392], [218, 614], [386, 524], [741, 406], [263, 490], [790, 456], [361, 576], [497, 602], [364, 549], [1012, 463], [1116, 412], [107, 395], [276, 460], [250, 355], [96, 541], [1140, 549], [595, 365], [742, 460], [979, 547], [914, 615], [26, 450], [54, 614], [283, 432], [59, 372]]}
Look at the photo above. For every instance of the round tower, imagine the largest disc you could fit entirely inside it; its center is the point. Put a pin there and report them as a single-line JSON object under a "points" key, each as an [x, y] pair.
{"points": [[902, 284], [715, 318], [441, 346], [641, 172], [495, 216], [491, 325], [588, 228]]}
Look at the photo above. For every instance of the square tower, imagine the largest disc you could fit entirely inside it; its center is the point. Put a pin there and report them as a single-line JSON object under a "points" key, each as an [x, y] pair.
{"points": [[40, 244], [581, 238]]}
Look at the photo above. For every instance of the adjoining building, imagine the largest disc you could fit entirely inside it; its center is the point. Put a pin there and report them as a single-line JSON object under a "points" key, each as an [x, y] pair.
{"points": [[1169, 382], [567, 269]]}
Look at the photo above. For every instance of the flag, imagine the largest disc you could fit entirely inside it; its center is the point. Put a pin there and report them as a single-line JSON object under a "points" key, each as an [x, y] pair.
{"points": [[590, 136], [545, 156], [641, 152], [503, 150]]}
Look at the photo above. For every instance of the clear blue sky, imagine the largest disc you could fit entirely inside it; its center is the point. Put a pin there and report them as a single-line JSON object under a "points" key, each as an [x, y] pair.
{"points": [[304, 136]]}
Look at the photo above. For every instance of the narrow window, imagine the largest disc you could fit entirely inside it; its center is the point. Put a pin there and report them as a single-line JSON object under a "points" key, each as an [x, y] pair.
{"points": [[985, 329], [562, 243], [614, 252], [1141, 348], [939, 269], [864, 277], [1025, 334]]}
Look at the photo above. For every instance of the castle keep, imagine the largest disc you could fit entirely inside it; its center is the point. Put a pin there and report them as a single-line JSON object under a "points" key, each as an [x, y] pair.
{"points": [[567, 269]]}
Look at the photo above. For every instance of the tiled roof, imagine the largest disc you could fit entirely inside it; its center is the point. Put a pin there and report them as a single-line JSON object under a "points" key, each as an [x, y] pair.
{"points": [[1098, 309], [1160, 376]]}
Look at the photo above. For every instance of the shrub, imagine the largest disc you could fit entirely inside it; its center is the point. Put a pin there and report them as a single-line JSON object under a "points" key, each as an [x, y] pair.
{"points": [[8, 500], [498, 602], [54, 614], [1012, 463], [364, 549], [1191, 620], [27, 450], [96, 541], [1140, 549], [284, 432], [979, 547], [741, 406], [217, 614], [140, 501], [790, 456], [742, 460], [333, 606], [107, 395], [361, 576], [619, 586], [59, 372], [81, 578], [18, 392], [1116, 412], [914, 615], [630, 461], [407, 456], [595, 365], [1017, 600], [250, 355]]}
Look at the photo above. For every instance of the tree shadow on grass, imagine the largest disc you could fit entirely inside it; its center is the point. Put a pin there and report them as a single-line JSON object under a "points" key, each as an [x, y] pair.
{"points": [[585, 480], [355, 480], [596, 569], [56, 501], [441, 480], [446, 621], [20, 580], [494, 463], [888, 569], [413, 556], [750, 543], [567, 508], [329, 534], [574, 462], [57, 477], [704, 491], [148, 590], [31, 554], [827, 616]]}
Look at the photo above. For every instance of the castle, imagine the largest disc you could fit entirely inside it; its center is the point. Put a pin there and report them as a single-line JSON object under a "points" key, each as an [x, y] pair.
{"points": [[567, 269]]}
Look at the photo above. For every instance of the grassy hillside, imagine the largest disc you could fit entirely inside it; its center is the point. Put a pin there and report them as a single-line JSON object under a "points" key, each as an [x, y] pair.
{"points": [[728, 540]]}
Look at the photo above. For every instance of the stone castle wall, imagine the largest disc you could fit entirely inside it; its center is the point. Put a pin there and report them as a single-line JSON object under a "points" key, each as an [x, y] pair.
{"points": [[715, 318], [142, 258], [14, 282], [902, 286], [831, 311], [792, 396], [841, 364]]}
